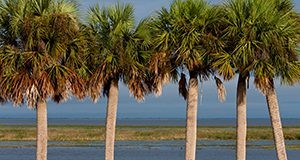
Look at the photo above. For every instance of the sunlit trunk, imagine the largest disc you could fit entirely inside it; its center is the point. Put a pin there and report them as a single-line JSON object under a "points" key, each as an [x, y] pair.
{"points": [[111, 117], [276, 122], [42, 135], [191, 118], [241, 113]]}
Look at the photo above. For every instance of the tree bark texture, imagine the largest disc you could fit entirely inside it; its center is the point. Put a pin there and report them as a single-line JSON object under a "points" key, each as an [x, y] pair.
{"points": [[241, 113], [42, 127], [276, 122], [111, 117], [191, 118]]}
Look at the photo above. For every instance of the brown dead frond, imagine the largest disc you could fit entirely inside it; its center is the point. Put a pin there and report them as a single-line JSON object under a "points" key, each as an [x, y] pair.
{"points": [[156, 82], [158, 89], [65, 82], [182, 86], [160, 68], [263, 84], [221, 90], [95, 85], [156, 85], [137, 87], [32, 96], [45, 86], [20, 87], [62, 91], [157, 61], [78, 86]]}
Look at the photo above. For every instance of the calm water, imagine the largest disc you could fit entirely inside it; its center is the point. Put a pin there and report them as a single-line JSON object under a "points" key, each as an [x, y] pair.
{"points": [[133, 150]]}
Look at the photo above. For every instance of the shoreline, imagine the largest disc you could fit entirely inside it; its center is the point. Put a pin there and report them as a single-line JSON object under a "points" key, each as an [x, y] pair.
{"points": [[148, 121], [139, 133]]}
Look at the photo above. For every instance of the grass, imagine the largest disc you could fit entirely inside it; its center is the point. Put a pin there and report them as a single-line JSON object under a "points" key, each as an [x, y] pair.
{"points": [[128, 133]]}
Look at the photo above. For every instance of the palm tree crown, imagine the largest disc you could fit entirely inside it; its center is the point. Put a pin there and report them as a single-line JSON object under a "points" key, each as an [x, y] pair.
{"points": [[118, 50], [261, 36], [185, 37], [40, 49]]}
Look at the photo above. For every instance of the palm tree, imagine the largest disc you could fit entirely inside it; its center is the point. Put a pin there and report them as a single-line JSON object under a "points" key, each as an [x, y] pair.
{"points": [[117, 52], [184, 37], [40, 46], [285, 65], [261, 39]]}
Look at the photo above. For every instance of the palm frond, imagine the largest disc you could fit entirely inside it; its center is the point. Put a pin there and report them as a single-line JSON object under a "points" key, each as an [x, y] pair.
{"points": [[221, 90], [95, 85], [183, 86], [119, 50], [41, 51], [262, 37]]}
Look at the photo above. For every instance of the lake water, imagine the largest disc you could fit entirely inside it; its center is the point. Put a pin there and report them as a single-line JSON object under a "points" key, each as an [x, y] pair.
{"points": [[141, 150]]}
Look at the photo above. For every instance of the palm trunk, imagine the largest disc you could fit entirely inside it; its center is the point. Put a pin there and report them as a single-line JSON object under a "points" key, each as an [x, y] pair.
{"points": [[191, 118], [241, 113], [42, 135], [276, 122], [111, 117]]}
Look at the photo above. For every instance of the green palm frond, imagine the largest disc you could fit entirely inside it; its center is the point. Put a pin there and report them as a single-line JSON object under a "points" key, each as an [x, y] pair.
{"points": [[222, 62], [187, 36], [40, 7], [12, 14], [66, 7], [121, 17], [119, 50], [289, 73], [262, 37], [42, 52]]}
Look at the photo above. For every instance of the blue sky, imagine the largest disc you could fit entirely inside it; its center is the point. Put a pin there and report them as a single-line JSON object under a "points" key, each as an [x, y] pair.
{"points": [[169, 105]]}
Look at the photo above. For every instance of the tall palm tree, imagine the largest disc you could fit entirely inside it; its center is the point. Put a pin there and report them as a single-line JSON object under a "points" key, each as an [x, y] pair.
{"points": [[184, 37], [117, 53], [261, 39], [40, 46], [283, 62]]}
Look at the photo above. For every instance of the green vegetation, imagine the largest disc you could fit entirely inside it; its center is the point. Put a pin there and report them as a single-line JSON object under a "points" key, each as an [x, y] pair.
{"points": [[144, 133], [46, 53]]}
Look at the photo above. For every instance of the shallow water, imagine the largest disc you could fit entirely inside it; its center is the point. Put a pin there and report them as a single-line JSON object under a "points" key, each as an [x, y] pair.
{"points": [[141, 150]]}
